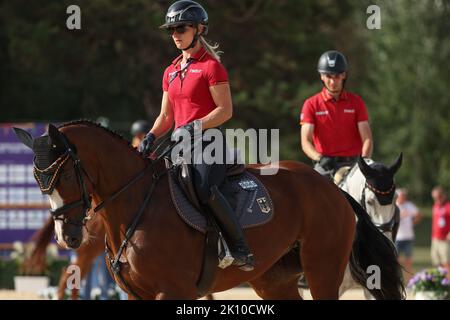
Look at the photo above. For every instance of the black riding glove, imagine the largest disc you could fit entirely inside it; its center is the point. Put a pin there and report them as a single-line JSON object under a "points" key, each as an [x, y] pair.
{"points": [[327, 163], [147, 143]]}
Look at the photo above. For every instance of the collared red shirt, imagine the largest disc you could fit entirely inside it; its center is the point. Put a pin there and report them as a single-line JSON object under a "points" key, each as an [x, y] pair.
{"points": [[188, 91], [336, 132]]}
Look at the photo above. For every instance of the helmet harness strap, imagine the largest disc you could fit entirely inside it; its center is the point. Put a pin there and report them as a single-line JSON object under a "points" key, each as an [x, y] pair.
{"points": [[194, 41]]}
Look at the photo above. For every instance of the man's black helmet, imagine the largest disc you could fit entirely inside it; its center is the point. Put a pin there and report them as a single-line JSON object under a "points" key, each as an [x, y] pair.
{"points": [[332, 62], [140, 126], [186, 11]]}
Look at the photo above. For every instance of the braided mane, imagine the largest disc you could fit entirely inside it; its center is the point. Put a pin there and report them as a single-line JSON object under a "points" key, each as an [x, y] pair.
{"points": [[111, 132]]}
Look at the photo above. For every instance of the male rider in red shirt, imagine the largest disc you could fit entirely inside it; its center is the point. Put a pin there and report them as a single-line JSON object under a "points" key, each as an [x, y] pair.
{"points": [[335, 127]]}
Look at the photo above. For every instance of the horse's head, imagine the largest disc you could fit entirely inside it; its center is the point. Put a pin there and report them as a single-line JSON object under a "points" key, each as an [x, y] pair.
{"points": [[59, 174], [378, 193]]}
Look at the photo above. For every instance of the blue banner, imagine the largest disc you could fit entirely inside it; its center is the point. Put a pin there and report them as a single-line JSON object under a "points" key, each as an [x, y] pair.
{"points": [[23, 209]]}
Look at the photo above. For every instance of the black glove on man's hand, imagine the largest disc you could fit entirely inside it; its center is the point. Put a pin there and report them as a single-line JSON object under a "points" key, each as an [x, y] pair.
{"points": [[327, 163], [146, 144]]}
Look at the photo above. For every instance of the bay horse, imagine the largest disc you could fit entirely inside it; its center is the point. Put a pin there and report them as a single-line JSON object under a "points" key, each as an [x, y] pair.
{"points": [[163, 257]]}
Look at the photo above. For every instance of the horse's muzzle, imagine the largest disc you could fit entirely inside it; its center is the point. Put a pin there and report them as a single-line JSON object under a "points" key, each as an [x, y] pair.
{"points": [[73, 242]]}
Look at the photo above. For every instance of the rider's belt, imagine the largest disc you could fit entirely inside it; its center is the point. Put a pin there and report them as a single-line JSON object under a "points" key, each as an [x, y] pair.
{"points": [[345, 159]]}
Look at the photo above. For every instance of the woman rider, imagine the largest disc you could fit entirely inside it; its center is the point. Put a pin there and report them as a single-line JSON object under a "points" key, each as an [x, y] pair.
{"points": [[196, 93]]}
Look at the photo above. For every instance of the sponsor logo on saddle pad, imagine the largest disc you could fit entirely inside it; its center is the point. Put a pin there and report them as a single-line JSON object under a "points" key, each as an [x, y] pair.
{"points": [[263, 205], [248, 184]]}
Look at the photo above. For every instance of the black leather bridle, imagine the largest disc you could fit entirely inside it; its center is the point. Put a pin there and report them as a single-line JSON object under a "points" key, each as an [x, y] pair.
{"points": [[85, 198]]}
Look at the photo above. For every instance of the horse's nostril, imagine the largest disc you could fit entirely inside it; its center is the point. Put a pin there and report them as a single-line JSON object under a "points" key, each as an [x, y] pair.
{"points": [[72, 241]]}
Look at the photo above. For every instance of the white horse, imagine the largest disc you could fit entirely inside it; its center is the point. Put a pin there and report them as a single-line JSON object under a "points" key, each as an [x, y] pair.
{"points": [[372, 185]]}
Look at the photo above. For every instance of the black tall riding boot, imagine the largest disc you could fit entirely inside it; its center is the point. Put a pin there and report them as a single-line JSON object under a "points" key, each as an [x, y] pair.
{"points": [[228, 221]]}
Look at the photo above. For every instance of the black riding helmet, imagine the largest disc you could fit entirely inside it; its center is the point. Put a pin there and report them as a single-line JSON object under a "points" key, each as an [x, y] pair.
{"points": [[186, 12], [140, 126], [332, 62]]}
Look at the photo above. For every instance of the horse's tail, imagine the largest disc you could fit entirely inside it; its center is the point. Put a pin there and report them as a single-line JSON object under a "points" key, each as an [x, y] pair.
{"points": [[372, 248], [36, 263]]}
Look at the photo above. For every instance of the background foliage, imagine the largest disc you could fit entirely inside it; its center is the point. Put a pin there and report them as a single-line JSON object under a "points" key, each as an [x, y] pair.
{"points": [[113, 67]]}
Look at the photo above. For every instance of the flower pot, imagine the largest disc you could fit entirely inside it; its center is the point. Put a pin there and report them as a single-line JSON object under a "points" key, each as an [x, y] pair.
{"points": [[30, 284], [427, 295]]}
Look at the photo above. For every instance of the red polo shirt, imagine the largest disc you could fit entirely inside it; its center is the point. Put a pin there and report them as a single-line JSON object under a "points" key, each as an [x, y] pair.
{"points": [[335, 123], [441, 220], [190, 96]]}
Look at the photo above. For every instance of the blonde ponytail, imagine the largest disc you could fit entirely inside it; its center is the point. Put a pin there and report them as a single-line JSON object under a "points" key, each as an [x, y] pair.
{"points": [[211, 48]]}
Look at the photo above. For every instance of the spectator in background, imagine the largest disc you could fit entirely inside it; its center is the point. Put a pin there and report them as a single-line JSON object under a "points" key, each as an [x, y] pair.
{"points": [[138, 131], [409, 216], [440, 234]]}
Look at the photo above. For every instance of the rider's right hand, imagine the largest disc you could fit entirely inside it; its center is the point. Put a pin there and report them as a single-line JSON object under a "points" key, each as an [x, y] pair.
{"points": [[326, 162], [146, 144]]}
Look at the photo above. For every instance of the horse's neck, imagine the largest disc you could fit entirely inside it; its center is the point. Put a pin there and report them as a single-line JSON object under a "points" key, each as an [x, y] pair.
{"points": [[109, 159], [354, 183], [112, 164], [117, 165]]}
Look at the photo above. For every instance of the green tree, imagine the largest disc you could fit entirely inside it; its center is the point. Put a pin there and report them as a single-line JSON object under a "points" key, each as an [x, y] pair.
{"points": [[408, 87]]}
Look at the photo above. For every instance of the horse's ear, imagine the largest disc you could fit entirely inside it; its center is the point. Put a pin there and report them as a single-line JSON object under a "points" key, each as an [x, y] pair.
{"points": [[24, 137], [397, 164], [365, 168], [55, 135]]}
